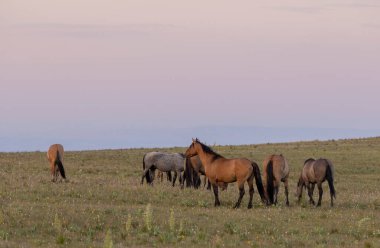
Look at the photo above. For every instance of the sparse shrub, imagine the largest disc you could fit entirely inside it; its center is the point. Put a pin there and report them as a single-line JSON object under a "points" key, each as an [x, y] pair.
{"points": [[148, 215], [181, 230], [128, 224], [230, 228], [171, 220], [60, 239], [57, 224], [4, 235], [108, 243], [368, 245]]}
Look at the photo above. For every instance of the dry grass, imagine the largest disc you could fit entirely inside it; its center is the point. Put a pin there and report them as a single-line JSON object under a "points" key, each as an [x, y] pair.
{"points": [[104, 205]]}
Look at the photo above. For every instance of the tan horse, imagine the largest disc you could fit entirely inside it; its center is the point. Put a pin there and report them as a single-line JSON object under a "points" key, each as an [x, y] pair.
{"points": [[222, 171], [55, 157], [316, 172], [275, 171]]}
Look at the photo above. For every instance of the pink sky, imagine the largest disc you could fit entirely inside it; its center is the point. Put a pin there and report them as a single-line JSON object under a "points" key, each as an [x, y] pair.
{"points": [[189, 63]]}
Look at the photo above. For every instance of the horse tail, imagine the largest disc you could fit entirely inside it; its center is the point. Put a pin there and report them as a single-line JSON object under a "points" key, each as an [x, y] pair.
{"points": [[58, 161], [330, 178], [147, 174], [259, 183], [270, 179], [144, 161]]}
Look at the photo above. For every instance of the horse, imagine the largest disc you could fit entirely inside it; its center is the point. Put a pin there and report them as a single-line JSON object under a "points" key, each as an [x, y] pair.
{"points": [[222, 171], [193, 170], [275, 171], [55, 158], [165, 162], [316, 172]]}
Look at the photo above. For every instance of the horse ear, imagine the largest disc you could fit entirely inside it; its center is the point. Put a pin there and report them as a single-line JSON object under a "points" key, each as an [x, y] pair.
{"points": [[193, 140], [196, 140]]}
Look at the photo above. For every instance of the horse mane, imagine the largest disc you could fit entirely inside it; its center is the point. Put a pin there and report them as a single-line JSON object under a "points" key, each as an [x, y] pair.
{"points": [[208, 150], [309, 159]]}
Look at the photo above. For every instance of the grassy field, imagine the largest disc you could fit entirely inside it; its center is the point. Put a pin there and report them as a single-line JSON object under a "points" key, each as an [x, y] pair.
{"points": [[104, 205]]}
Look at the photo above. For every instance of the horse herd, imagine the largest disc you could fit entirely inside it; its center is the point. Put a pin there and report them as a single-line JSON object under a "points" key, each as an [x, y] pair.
{"points": [[218, 171]]}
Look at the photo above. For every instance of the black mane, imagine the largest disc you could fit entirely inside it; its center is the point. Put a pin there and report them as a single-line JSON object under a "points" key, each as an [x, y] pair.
{"points": [[208, 150]]}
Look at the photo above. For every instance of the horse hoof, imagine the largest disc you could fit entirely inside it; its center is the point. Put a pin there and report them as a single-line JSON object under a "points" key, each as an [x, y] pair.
{"points": [[250, 206]]}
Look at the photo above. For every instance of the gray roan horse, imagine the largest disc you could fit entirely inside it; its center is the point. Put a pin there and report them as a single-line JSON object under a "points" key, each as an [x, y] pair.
{"points": [[165, 162], [316, 172]]}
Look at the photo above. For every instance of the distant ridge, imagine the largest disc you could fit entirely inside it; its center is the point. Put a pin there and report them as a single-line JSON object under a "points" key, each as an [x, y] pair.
{"points": [[170, 137]]}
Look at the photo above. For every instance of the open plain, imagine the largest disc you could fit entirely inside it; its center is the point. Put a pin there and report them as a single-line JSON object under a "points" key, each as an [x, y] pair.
{"points": [[103, 203]]}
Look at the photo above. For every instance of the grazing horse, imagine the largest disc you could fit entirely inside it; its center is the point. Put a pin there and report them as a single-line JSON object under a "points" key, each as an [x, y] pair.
{"points": [[55, 158], [316, 172], [275, 171], [193, 170], [165, 162], [222, 171]]}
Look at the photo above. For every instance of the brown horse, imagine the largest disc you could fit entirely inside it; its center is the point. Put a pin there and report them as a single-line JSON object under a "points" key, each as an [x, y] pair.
{"points": [[55, 157], [275, 171], [316, 172], [222, 171]]}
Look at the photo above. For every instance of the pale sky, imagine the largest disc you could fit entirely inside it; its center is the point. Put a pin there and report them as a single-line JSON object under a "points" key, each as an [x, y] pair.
{"points": [[107, 65]]}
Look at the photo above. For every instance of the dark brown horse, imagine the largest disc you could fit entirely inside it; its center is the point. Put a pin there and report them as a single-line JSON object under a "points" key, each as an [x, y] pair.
{"points": [[193, 171], [275, 171], [55, 158], [222, 171], [316, 172]]}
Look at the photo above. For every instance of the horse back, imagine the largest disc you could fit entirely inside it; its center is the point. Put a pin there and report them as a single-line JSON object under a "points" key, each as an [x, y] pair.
{"points": [[320, 169], [55, 152], [230, 170], [280, 167]]}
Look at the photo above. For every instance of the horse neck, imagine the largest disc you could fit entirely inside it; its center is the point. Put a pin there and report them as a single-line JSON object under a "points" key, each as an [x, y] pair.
{"points": [[205, 158]]}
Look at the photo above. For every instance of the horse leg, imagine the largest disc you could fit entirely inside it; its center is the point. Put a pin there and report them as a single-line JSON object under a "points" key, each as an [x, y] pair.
{"points": [[241, 194], [215, 188], [320, 194], [310, 189], [180, 178], [286, 192], [300, 194], [208, 184], [275, 193], [56, 174], [251, 191], [52, 171], [175, 177]]}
